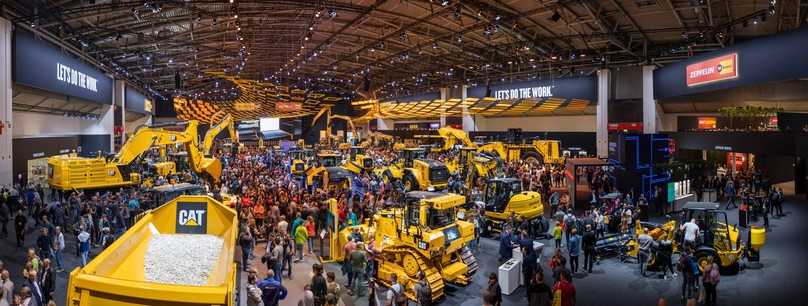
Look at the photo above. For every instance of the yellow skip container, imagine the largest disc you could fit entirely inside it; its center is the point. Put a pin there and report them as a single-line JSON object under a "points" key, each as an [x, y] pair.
{"points": [[116, 276]]}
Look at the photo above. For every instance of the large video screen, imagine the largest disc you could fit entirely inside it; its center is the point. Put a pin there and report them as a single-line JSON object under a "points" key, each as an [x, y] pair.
{"points": [[269, 124]]}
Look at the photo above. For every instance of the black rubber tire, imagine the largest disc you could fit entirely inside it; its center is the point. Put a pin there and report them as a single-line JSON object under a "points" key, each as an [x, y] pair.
{"points": [[409, 179], [532, 155], [701, 257]]}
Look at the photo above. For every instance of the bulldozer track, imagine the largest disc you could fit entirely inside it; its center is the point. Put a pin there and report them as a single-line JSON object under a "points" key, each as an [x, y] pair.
{"points": [[392, 260], [470, 260]]}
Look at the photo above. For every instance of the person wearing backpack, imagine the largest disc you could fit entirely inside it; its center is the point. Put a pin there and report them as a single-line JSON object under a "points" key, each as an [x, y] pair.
{"points": [[318, 285], [710, 279], [271, 290], [423, 293], [396, 296], [685, 265]]}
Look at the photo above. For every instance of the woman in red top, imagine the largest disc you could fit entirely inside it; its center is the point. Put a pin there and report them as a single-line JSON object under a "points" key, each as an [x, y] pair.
{"points": [[310, 230]]}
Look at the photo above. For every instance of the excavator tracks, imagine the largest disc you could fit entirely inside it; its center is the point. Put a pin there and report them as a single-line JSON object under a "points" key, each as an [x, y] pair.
{"points": [[406, 264]]}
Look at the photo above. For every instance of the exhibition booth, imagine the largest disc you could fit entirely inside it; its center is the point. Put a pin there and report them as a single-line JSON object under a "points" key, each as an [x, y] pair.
{"points": [[60, 105], [734, 98]]}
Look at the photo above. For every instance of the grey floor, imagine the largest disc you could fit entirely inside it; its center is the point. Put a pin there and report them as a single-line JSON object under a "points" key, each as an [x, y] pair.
{"points": [[781, 281]]}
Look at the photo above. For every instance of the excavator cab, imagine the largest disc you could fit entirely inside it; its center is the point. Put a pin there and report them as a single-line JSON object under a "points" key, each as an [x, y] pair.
{"points": [[499, 191], [504, 198], [409, 155], [358, 161], [298, 165]]}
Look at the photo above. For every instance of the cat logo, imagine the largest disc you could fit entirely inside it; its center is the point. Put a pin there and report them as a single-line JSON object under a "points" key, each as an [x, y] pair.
{"points": [[192, 218]]}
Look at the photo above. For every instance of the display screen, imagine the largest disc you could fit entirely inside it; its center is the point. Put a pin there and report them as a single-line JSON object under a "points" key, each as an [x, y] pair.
{"points": [[269, 124], [451, 234]]}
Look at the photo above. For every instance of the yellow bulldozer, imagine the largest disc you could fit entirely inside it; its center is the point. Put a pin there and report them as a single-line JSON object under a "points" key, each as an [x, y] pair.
{"points": [[69, 172], [300, 160], [422, 234], [415, 172]]}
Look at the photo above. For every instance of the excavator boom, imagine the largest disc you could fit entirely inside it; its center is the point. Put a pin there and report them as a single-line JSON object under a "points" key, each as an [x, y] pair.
{"points": [[214, 130]]}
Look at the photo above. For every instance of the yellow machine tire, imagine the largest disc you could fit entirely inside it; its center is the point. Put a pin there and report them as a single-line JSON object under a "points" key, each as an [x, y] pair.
{"points": [[530, 156]]}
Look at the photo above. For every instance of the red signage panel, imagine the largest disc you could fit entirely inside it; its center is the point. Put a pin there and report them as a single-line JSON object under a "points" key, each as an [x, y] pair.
{"points": [[625, 126], [716, 69], [288, 106], [707, 123]]}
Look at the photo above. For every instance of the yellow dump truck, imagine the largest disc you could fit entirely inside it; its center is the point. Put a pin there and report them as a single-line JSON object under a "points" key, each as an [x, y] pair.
{"points": [[122, 274]]}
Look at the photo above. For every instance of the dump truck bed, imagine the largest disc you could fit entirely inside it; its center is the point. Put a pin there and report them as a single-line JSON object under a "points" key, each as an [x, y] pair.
{"points": [[117, 275]]}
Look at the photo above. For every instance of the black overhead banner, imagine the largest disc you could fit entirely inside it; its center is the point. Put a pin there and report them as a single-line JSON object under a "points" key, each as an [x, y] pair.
{"points": [[42, 65], [137, 102], [771, 58], [583, 88]]}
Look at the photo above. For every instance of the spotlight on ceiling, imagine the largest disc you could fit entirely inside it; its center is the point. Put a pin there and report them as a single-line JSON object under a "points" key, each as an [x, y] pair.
{"points": [[444, 3], [556, 16], [332, 13]]}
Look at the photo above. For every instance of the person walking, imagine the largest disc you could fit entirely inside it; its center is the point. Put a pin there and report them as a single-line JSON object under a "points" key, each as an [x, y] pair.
{"points": [[253, 292], [272, 291], [557, 233], [6, 289], [574, 249], [245, 241], [494, 289], [589, 241], [358, 265], [529, 263], [312, 233], [301, 236], [37, 294], [58, 248], [318, 285], [20, 220], [5, 216], [538, 293], [423, 292], [564, 290], [84, 245], [46, 280], [710, 280], [729, 191], [396, 296]]}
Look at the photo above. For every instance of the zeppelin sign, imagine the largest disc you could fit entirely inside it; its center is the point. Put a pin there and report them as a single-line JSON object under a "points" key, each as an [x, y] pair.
{"points": [[524, 93], [716, 69]]}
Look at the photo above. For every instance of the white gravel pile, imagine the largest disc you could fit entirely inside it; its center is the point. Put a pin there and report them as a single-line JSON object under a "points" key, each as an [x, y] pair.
{"points": [[181, 259]]}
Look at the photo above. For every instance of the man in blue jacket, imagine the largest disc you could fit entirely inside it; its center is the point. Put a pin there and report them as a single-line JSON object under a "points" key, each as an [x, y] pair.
{"points": [[505, 245], [271, 290]]}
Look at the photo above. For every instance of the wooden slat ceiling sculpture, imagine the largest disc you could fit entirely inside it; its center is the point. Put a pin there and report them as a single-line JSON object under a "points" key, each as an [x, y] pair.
{"points": [[486, 107], [255, 100]]}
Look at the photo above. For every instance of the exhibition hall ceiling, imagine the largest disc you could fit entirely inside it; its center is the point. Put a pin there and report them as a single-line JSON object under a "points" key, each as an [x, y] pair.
{"points": [[390, 47]]}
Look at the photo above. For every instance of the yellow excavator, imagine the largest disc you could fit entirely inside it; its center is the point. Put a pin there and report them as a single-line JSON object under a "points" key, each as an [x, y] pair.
{"points": [[377, 139], [504, 199], [215, 129], [69, 173], [415, 172], [421, 234]]}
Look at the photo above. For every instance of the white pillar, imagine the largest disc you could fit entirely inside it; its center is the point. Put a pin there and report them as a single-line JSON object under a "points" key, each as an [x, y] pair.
{"points": [[468, 119], [384, 124], [602, 118], [444, 95], [119, 94], [6, 164], [649, 107]]}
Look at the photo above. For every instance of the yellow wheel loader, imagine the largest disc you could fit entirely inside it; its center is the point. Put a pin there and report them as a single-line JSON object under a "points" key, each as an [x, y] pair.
{"points": [[415, 172], [358, 161], [541, 151], [327, 174]]}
